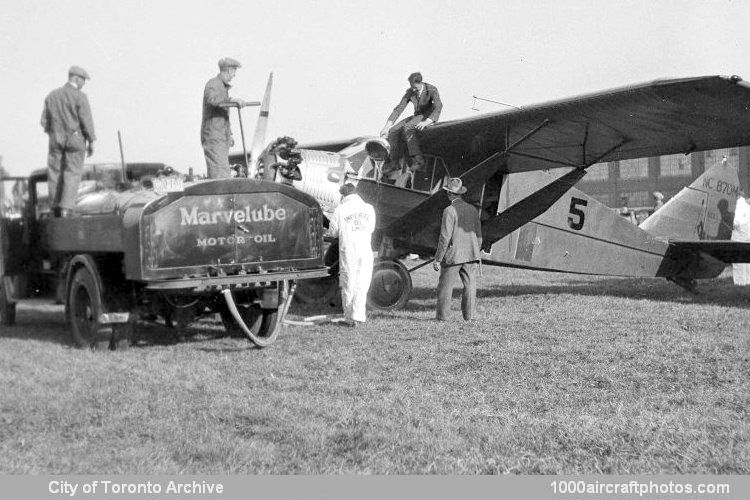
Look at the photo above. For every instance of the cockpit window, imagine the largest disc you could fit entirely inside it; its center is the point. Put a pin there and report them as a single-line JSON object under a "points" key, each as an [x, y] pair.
{"points": [[426, 180]]}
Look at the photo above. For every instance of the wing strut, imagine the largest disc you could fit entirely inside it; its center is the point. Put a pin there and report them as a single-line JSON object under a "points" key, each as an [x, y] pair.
{"points": [[535, 204], [473, 174]]}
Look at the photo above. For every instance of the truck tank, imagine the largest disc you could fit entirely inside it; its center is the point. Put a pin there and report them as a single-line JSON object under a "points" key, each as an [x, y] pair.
{"points": [[167, 248]]}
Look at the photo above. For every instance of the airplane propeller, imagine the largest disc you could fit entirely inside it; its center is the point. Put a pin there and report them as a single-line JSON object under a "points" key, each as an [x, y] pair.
{"points": [[260, 130]]}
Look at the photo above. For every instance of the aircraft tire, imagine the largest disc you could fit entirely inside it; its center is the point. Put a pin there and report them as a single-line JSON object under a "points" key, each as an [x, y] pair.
{"points": [[390, 287]]}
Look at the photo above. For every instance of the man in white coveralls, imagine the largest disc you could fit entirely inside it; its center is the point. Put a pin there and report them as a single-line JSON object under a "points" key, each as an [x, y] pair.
{"points": [[352, 223]]}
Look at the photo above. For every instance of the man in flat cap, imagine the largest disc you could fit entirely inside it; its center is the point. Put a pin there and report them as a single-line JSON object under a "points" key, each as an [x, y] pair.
{"points": [[216, 134], [352, 223], [427, 107], [457, 252], [67, 120]]}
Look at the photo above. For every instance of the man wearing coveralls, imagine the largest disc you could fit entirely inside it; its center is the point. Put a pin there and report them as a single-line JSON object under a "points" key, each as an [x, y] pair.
{"points": [[427, 107], [458, 251], [353, 222], [216, 134], [67, 120]]}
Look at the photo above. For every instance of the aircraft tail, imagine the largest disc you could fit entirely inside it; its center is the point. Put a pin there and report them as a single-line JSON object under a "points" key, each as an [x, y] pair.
{"points": [[260, 129], [704, 210]]}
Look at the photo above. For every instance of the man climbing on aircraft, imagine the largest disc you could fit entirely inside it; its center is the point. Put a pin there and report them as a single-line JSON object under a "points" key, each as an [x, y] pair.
{"points": [[457, 252], [216, 135], [427, 107]]}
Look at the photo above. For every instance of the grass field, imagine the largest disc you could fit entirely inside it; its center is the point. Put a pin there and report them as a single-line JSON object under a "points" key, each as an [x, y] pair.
{"points": [[560, 374]]}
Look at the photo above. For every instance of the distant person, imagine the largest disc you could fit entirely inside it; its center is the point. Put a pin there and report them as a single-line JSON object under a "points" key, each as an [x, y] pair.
{"points": [[457, 251], [20, 192], [352, 223], [67, 120], [216, 134], [427, 107], [3, 174], [625, 211], [741, 272], [658, 200]]}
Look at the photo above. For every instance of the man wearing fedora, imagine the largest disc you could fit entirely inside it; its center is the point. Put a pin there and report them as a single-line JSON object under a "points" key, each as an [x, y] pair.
{"points": [[67, 120], [216, 135], [458, 251], [427, 106]]}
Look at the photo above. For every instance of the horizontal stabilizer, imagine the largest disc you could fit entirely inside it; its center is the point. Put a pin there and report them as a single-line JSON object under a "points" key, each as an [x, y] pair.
{"points": [[727, 251]]}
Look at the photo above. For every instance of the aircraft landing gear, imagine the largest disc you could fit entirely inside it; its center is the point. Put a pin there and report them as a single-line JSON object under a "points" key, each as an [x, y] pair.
{"points": [[390, 286]]}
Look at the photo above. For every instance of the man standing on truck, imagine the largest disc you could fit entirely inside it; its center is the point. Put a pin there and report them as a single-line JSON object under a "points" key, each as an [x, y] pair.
{"points": [[67, 120], [352, 223], [216, 134]]}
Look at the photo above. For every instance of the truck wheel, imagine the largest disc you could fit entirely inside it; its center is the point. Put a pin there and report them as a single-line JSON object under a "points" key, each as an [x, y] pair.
{"points": [[7, 308], [84, 309], [318, 291], [269, 328], [251, 314]]}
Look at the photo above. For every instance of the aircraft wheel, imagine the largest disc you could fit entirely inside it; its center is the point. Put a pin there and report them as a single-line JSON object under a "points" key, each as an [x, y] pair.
{"points": [[7, 308], [390, 286], [84, 309], [251, 314]]}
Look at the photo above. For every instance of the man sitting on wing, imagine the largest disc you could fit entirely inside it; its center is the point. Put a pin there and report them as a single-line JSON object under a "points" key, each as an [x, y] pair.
{"points": [[427, 107]]}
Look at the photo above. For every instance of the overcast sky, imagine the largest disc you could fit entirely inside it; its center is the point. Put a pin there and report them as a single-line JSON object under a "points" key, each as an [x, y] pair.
{"points": [[339, 66]]}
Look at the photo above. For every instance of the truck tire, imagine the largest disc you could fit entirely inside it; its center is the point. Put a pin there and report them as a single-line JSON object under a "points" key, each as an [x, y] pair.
{"points": [[84, 308], [251, 314], [269, 327], [7, 308]]}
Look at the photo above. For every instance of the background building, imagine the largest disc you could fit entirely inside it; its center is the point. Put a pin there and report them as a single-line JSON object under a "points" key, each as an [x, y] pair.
{"points": [[636, 180]]}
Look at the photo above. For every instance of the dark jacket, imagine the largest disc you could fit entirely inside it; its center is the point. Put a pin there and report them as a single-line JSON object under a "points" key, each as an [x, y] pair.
{"points": [[67, 113], [215, 121], [460, 234], [429, 104]]}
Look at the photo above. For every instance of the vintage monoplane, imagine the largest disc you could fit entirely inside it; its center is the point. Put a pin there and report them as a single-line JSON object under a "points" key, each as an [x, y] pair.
{"points": [[520, 166]]}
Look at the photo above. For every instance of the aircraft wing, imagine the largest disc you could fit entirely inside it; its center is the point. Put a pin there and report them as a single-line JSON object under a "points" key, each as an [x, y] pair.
{"points": [[651, 119], [332, 146], [727, 251]]}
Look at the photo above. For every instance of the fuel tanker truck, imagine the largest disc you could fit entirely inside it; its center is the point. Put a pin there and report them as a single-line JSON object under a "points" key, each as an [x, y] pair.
{"points": [[162, 247]]}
